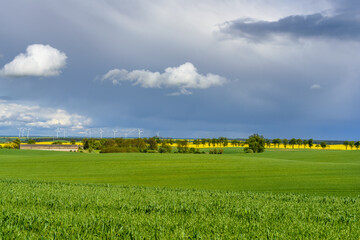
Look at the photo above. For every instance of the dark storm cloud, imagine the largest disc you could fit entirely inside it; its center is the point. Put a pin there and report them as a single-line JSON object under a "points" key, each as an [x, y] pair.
{"points": [[345, 25]]}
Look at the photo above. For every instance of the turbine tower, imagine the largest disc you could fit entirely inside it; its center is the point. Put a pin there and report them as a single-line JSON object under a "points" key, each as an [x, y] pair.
{"points": [[101, 132], [114, 131], [20, 129], [28, 132], [140, 132], [57, 132]]}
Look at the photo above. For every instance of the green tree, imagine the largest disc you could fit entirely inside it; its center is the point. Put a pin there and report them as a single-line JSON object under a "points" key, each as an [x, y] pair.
{"points": [[357, 144], [299, 142], [285, 142], [17, 143], [153, 145], [346, 144], [226, 142], [256, 143], [268, 142], [292, 142], [165, 148], [182, 145], [323, 145], [213, 142], [209, 142], [305, 142], [197, 142], [276, 141], [351, 144], [310, 142], [31, 141]]}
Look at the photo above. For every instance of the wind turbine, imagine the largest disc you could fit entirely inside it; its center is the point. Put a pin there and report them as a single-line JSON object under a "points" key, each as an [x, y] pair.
{"points": [[114, 131], [20, 129], [158, 134], [57, 132], [22, 132], [101, 132], [28, 132], [140, 132]]}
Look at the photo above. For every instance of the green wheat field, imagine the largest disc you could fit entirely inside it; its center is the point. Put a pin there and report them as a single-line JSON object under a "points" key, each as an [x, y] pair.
{"points": [[279, 194]]}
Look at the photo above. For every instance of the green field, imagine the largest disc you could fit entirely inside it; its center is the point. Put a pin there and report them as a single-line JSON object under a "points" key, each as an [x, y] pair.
{"points": [[292, 194], [304, 171]]}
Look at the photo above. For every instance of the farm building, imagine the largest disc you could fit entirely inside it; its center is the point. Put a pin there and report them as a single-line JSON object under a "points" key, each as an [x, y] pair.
{"points": [[50, 147]]}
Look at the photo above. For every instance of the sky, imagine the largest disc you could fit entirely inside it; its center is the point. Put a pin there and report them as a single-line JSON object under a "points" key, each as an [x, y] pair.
{"points": [[181, 68]]}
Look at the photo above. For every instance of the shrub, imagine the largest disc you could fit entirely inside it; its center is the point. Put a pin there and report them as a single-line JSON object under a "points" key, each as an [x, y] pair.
{"points": [[165, 149], [221, 151], [118, 149], [248, 150]]}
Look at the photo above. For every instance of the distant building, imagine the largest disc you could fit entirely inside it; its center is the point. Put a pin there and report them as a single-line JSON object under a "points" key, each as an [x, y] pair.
{"points": [[50, 147]]}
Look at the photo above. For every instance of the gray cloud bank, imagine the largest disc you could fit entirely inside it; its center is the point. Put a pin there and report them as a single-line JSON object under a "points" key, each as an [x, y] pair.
{"points": [[343, 26]]}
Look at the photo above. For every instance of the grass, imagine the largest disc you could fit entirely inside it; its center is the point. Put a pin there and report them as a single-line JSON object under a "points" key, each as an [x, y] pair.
{"points": [[297, 171], [280, 194], [46, 210]]}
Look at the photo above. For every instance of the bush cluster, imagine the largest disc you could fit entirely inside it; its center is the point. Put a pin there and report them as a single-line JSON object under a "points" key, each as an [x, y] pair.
{"points": [[216, 151]]}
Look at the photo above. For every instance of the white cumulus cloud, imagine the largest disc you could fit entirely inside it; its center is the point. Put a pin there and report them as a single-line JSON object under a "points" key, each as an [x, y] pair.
{"points": [[183, 77], [39, 61], [13, 114]]}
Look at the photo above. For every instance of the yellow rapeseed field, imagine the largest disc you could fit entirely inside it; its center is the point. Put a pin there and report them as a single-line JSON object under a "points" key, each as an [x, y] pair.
{"points": [[191, 145]]}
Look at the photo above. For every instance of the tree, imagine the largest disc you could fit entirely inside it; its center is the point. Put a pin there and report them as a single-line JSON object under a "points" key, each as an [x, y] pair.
{"points": [[153, 145], [226, 142], [72, 142], [292, 142], [256, 143], [299, 142], [351, 144], [346, 144], [165, 148], [31, 141], [17, 143], [323, 145], [182, 145], [357, 144], [196, 142], [276, 141], [268, 142], [305, 142], [213, 141], [285, 142], [310, 142]]}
